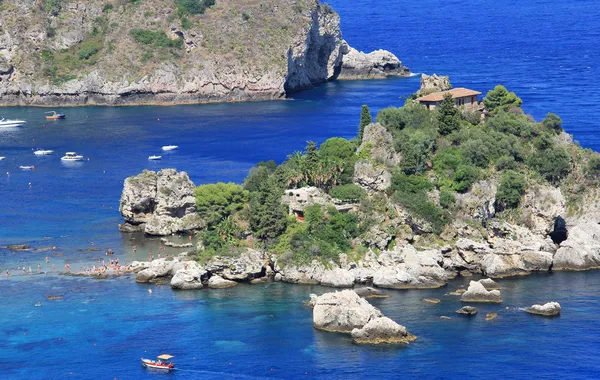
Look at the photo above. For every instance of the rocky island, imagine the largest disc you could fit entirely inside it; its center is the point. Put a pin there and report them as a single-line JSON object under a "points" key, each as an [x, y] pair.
{"points": [[83, 52], [419, 197]]}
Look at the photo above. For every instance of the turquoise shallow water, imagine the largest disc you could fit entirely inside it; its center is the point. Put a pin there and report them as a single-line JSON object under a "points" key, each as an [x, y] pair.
{"points": [[546, 51]]}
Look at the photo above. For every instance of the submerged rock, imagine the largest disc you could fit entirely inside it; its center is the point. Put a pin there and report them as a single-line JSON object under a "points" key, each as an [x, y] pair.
{"points": [[491, 316], [342, 311], [368, 292], [467, 310], [478, 293], [432, 300], [382, 330], [549, 309]]}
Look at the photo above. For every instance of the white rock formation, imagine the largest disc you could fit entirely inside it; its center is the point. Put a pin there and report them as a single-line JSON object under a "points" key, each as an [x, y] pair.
{"points": [[382, 330], [342, 311], [549, 310], [477, 293]]}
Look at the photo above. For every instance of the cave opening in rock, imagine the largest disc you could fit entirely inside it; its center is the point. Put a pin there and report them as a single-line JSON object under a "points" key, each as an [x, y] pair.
{"points": [[560, 232]]}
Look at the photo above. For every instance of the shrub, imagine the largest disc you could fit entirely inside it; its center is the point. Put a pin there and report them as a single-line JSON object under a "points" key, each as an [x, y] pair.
{"points": [[391, 118], [500, 99], [410, 183], [592, 169], [194, 6], [510, 122], [414, 116], [108, 7], [464, 177], [512, 186], [53, 6], [553, 164], [419, 204], [553, 122], [506, 163], [215, 202], [477, 153], [447, 198], [348, 193], [416, 147], [154, 38]]}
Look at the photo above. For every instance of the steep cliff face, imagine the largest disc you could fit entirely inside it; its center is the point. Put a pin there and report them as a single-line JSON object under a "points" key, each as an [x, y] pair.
{"points": [[84, 52]]}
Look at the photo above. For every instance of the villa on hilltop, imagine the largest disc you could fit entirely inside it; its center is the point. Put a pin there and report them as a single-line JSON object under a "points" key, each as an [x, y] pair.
{"points": [[463, 97]]}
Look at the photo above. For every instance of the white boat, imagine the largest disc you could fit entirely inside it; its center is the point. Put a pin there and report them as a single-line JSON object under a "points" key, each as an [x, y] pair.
{"points": [[155, 158], [162, 362], [27, 167], [167, 148], [7, 123], [2, 158], [72, 156], [43, 152]]}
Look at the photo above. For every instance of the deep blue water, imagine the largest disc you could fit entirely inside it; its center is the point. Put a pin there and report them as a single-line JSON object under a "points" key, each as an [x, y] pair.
{"points": [[546, 51]]}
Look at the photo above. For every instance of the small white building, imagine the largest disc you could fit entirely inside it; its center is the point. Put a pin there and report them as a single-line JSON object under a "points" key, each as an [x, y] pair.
{"points": [[463, 97]]}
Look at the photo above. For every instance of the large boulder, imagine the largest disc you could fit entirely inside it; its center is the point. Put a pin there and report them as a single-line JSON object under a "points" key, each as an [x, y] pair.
{"points": [[581, 250], [433, 83], [187, 279], [478, 293], [467, 310], [162, 267], [249, 265], [145, 275], [382, 330], [550, 309], [342, 311], [377, 64], [337, 278], [218, 282], [163, 203], [371, 177], [303, 274]]}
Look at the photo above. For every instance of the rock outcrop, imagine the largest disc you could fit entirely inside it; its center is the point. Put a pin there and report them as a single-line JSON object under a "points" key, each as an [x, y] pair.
{"points": [[382, 330], [375, 65], [467, 310], [550, 309], [220, 55], [476, 292], [187, 279], [218, 282], [433, 83], [342, 311], [337, 278], [581, 250], [160, 203]]}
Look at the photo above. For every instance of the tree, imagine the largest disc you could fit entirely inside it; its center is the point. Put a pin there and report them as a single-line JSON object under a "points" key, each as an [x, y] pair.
{"points": [[553, 163], [267, 215], [365, 119], [500, 99], [215, 202], [593, 167], [553, 122], [448, 116], [512, 186]]}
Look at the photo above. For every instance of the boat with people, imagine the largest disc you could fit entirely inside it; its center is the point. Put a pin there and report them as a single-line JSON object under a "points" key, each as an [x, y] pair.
{"points": [[43, 152], [72, 156], [167, 148], [155, 158], [162, 362], [30, 167], [53, 115], [8, 123]]}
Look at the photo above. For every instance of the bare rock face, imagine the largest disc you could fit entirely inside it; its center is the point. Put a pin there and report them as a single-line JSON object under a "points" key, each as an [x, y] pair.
{"points": [[371, 177], [218, 282], [159, 203], [342, 311], [382, 331], [377, 64], [380, 143], [433, 83], [337, 278], [489, 284], [250, 264], [550, 309], [581, 250], [542, 204], [478, 293], [303, 274]]}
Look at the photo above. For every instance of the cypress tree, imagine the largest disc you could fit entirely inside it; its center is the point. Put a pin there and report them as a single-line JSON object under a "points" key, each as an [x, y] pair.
{"points": [[449, 118], [267, 213], [365, 119]]}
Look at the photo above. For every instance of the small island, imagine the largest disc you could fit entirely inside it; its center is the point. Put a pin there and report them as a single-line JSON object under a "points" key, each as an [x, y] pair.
{"points": [[419, 197]]}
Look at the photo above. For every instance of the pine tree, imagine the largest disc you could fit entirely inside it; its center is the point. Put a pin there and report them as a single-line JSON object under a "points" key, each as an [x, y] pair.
{"points": [[449, 117], [267, 213], [365, 119], [500, 99]]}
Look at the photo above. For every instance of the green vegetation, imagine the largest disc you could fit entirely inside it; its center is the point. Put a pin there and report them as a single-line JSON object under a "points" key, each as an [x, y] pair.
{"points": [[592, 169], [156, 39], [449, 116], [348, 193], [365, 119], [500, 99], [216, 202], [553, 122], [193, 7], [53, 6], [512, 187]]}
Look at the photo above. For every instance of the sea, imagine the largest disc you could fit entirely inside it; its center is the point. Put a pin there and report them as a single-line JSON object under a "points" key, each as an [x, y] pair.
{"points": [[545, 51]]}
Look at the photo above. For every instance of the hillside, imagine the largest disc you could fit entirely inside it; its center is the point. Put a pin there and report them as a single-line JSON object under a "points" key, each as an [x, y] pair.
{"points": [[77, 52]]}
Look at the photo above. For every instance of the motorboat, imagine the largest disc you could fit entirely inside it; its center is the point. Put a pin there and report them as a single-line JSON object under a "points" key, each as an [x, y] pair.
{"points": [[43, 152], [162, 362], [167, 148], [27, 167], [155, 158], [2, 158], [53, 115], [7, 123], [72, 156]]}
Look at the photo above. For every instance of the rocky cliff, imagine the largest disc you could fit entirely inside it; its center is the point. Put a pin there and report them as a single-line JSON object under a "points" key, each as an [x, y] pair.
{"points": [[83, 52]]}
